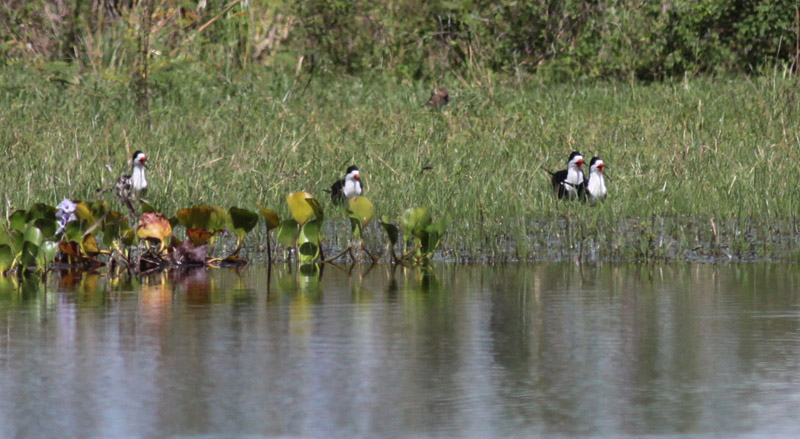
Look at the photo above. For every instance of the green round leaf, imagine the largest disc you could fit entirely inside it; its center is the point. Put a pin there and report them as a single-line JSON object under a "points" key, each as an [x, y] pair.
{"points": [[242, 220], [30, 251], [391, 229], [41, 211], [47, 226], [301, 207], [287, 233], [414, 221], [34, 235], [17, 220], [361, 209], [48, 251], [271, 218]]}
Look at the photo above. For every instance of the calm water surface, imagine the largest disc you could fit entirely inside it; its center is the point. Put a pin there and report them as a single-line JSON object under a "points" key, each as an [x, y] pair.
{"points": [[546, 350]]}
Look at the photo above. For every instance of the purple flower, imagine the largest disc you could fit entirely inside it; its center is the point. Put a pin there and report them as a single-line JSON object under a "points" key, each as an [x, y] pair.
{"points": [[65, 212]]}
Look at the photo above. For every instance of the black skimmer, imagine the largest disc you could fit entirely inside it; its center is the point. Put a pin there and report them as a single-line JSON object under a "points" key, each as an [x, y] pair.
{"points": [[439, 98], [570, 182], [596, 185], [132, 186], [348, 187]]}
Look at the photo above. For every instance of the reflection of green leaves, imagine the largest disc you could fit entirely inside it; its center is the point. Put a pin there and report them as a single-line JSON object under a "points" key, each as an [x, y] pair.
{"points": [[6, 258]]}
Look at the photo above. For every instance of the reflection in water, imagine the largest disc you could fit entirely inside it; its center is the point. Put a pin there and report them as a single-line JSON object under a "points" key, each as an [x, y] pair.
{"points": [[337, 351]]}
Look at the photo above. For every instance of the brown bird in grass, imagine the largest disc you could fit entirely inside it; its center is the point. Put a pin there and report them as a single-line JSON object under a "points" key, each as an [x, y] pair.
{"points": [[439, 98]]}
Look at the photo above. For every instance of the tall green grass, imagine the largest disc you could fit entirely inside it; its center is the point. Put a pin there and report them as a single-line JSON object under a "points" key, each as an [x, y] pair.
{"points": [[688, 151]]}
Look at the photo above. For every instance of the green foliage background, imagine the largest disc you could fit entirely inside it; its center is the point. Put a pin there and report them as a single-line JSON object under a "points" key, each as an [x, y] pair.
{"points": [[412, 39]]}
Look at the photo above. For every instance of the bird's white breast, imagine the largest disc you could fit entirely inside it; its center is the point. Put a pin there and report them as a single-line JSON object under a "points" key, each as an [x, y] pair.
{"points": [[597, 187], [352, 187], [139, 179], [574, 180]]}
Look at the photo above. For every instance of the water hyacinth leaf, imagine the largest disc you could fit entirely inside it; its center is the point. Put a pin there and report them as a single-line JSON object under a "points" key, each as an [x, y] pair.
{"points": [[355, 227], [69, 248], [17, 241], [6, 258], [287, 233], [361, 209], [29, 253], [308, 242], [127, 237], [301, 210], [73, 231], [146, 207], [219, 218], [319, 214], [47, 226], [3, 234], [17, 220], [154, 226], [41, 211], [84, 212], [414, 221], [271, 218], [89, 246], [34, 235], [198, 236], [391, 229], [99, 208], [196, 217], [242, 220], [48, 251]]}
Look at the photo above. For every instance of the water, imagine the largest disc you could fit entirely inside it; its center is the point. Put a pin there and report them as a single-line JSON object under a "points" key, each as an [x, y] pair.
{"points": [[546, 350]]}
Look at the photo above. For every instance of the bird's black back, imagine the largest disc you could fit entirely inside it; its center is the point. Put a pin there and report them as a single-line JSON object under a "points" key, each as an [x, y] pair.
{"points": [[337, 191]]}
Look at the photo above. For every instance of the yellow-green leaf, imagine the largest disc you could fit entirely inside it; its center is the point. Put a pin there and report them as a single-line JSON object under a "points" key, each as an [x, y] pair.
{"points": [[361, 209], [301, 209]]}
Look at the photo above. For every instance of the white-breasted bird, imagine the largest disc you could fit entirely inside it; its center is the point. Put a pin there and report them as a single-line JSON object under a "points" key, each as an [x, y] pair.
{"points": [[134, 185], [569, 182], [596, 184], [348, 187]]}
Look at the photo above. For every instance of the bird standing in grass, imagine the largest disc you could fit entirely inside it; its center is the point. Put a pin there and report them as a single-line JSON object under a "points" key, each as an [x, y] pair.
{"points": [[596, 185], [348, 187], [134, 185], [569, 182], [439, 98]]}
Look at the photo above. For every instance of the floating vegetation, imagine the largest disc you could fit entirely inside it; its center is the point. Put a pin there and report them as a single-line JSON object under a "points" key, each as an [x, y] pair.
{"points": [[89, 235]]}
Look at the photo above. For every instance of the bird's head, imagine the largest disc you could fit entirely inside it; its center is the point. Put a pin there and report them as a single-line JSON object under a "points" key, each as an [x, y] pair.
{"points": [[352, 173], [596, 165], [139, 159], [575, 159]]}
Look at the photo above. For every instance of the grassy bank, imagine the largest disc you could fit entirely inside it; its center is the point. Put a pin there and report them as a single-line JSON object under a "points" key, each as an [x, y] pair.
{"points": [[718, 159]]}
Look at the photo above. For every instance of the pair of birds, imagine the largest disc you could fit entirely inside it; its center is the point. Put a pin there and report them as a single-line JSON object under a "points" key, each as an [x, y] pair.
{"points": [[571, 183], [134, 185]]}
